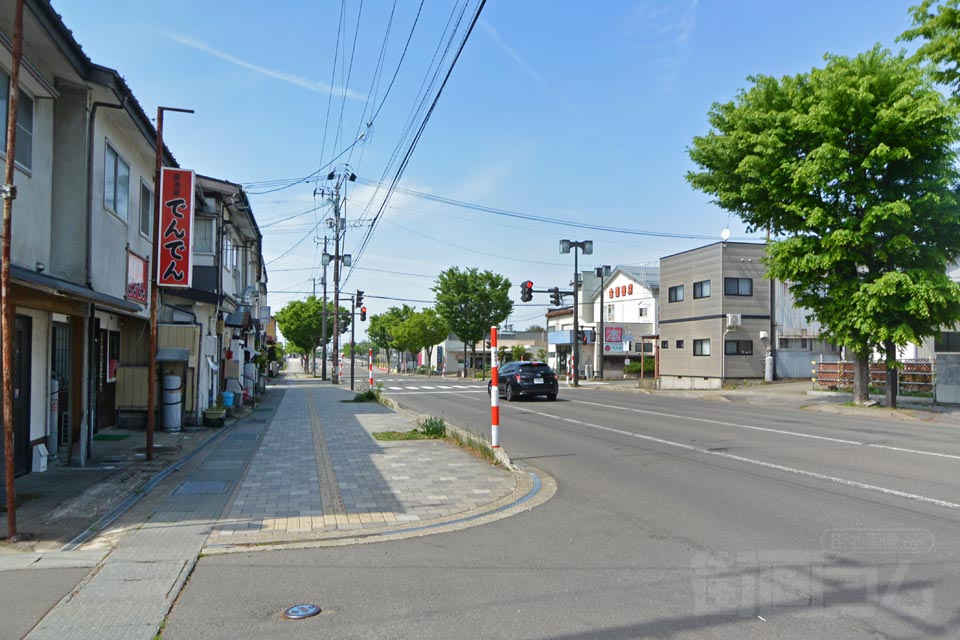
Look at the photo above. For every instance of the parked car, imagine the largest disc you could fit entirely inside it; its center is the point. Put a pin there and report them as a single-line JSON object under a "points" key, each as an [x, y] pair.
{"points": [[525, 378]]}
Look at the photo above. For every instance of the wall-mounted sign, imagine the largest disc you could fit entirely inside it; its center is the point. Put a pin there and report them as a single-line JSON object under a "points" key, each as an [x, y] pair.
{"points": [[136, 278], [175, 246]]}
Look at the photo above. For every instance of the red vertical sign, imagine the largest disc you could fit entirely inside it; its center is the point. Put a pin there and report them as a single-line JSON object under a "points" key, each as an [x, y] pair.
{"points": [[175, 244]]}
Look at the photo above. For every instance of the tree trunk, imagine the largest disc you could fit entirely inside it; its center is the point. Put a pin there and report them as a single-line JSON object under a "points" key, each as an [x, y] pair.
{"points": [[861, 378], [891, 374]]}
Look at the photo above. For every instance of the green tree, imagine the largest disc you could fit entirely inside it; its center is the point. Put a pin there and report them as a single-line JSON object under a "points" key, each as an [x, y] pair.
{"points": [[851, 168], [941, 31], [471, 302], [382, 329], [423, 330], [518, 351], [301, 323]]}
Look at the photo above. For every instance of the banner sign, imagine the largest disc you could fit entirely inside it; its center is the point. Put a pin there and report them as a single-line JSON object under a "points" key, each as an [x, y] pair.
{"points": [[175, 246]]}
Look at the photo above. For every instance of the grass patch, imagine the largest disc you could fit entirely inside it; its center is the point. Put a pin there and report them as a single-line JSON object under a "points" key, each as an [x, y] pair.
{"points": [[474, 445], [370, 395], [427, 429]]}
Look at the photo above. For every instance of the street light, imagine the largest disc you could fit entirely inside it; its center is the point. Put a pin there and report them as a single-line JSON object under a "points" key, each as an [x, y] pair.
{"points": [[602, 273], [586, 246]]}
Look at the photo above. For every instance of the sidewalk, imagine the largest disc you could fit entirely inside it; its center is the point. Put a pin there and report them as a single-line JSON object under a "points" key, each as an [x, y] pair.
{"points": [[301, 469]]}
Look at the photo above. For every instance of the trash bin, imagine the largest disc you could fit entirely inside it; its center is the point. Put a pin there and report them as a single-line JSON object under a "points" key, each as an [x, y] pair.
{"points": [[227, 398], [172, 414], [39, 459]]}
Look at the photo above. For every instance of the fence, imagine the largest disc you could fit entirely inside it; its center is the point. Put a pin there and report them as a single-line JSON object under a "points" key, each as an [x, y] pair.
{"points": [[916, 376]]}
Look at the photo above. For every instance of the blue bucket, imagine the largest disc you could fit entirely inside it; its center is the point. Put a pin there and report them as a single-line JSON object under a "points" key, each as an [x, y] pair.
{"points": [[228, 398]]}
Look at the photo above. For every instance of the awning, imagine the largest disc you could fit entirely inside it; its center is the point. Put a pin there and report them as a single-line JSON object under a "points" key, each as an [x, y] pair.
{"points": [[71, 289]]}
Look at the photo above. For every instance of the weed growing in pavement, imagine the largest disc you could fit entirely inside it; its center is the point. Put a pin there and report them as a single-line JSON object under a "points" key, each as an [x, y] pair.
{"points": [[473, 444], [432, 427], [370, 395]]}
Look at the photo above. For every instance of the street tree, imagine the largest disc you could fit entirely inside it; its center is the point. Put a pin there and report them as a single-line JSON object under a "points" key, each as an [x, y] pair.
{"points": [[301, 323], [423, 330], [382, 328], [518, 351], [851, 168], [471, 302], [938, 24]]}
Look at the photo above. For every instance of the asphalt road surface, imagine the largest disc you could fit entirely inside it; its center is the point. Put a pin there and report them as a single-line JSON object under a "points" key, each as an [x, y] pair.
{"points": [[674, 518]]}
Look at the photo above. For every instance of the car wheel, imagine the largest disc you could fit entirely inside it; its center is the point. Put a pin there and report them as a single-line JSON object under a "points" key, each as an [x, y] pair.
{"points": [[551, 396], [510, 395]]}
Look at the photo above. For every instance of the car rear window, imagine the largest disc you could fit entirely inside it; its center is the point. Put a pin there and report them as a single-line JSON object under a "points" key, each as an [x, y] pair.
{"points": [[535, 367]]}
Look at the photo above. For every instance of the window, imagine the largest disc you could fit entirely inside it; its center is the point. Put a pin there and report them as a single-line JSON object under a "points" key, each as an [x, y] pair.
{"points": [[701, 347], [203, 235], [647, 347], [679, 344], [738, 286], [116, 183], [610, 312], [146, 209], [675, 294], [796, 344], [227, 250], [949, 341], [24, 152], [738, 347], [641, 311], [664, 344], [701, 289]]}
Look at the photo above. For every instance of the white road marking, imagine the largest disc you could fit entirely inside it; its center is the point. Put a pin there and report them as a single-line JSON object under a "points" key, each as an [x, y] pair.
{"points": [[760, 463], [778, 431]]}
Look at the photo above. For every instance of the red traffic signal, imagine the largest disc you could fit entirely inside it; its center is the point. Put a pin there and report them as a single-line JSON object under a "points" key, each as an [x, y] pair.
{"points": [[526, 291], [363, 313]]}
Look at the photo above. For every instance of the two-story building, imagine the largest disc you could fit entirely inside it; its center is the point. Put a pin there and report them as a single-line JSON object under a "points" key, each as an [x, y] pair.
{"points": [[81, 246], [722, 318]]}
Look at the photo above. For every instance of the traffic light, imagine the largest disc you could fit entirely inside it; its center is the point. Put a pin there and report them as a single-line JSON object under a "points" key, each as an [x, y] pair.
{"points": [[359, 298], [555, 296], [363, 314], [581, 336], [526, 291]]}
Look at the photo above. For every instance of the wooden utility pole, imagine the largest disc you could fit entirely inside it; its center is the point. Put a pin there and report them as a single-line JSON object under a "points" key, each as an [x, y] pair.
{"points": [[8, 191]]}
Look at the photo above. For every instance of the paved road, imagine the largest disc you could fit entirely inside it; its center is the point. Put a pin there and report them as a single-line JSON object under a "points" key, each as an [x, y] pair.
{"points": [[674, 518]]}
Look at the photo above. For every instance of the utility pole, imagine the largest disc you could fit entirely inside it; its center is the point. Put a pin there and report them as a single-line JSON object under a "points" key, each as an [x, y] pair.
{"points": [[323, 319], [353, 346], [154, 288], [9, 192], [313, 356], [335, 374]]}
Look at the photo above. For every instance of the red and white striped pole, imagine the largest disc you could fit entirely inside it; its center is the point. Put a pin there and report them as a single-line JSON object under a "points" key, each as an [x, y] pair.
{"points": [[370, 365], [494, 392]]}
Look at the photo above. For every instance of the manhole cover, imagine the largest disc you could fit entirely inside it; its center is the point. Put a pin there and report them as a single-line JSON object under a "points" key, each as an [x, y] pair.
{"points": [[300, 611], [256, 420]]}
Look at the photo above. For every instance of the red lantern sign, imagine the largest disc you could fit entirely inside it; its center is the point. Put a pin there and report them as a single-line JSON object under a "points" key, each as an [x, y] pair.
{"points": [[175, 244]]}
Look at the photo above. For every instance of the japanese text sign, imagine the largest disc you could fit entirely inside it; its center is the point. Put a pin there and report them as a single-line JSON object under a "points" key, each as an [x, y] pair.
{"points": [[175, 246]]}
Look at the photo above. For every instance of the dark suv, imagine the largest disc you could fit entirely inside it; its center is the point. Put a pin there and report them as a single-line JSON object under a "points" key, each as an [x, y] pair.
{"points": [[526, 379]]}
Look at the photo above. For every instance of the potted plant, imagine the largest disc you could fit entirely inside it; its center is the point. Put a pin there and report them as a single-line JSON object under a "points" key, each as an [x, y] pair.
{"points": [[215, 416]]}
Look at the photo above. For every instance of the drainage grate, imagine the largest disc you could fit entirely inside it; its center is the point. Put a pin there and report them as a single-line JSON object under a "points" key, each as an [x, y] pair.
{"points": [[301, 611], [256, 420], [192, 488]]}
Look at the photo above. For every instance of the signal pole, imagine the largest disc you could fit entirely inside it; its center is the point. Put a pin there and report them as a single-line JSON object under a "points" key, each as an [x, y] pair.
{"points": [[323, 319]]}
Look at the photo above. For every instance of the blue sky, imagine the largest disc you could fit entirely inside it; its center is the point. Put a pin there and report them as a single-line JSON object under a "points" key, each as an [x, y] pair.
{"points": [[567, 110]]}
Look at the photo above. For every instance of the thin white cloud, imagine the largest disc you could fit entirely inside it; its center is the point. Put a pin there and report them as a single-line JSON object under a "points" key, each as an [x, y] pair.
{"points": [[305, 83], [492, 32]]}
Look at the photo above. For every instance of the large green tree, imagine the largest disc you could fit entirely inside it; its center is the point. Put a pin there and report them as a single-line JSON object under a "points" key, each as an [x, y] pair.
{"points": [[471, 302], [301, 323], [852, 169], [422, 330], [937, 22]]}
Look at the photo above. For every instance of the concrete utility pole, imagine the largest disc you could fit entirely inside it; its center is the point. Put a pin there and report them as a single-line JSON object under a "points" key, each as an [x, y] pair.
{"points": [[313, 356], [335, 374], [586, 246], [323, 320], [9, 192]]}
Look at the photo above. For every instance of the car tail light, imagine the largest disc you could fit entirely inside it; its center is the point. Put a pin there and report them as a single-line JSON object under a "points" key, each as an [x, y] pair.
{"points": [[517, 377]]}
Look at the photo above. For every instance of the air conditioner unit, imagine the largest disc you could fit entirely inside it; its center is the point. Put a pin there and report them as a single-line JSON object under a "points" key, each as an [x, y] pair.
{"points": [[733, 321]]}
